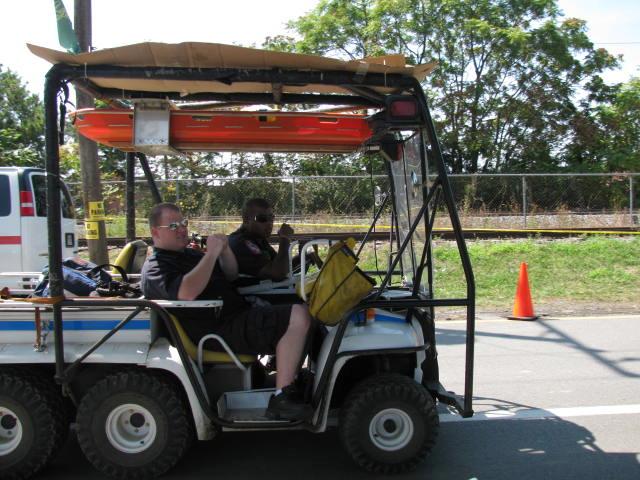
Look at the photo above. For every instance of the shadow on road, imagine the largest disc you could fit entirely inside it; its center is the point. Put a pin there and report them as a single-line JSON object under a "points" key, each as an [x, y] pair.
{"points": [[497, 449]]}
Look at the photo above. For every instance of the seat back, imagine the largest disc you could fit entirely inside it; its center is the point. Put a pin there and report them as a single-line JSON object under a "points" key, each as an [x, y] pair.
{"points": [[132, 256], [208, 356]]}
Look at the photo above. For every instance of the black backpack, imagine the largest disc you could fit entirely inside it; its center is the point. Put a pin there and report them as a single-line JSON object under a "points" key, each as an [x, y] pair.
{"points": [[82, 278]]}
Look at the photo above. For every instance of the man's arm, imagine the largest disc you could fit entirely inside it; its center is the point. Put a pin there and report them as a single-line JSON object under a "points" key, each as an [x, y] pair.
{"points": [[194, 282], [278, 268], [229, 263]]}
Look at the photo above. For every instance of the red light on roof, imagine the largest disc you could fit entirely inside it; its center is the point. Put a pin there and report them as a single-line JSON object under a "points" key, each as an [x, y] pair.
{"points": [[403, 108]]}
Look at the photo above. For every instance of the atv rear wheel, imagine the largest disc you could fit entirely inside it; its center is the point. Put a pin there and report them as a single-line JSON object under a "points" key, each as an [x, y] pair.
{"points": [[29, 425], [134, 425]]}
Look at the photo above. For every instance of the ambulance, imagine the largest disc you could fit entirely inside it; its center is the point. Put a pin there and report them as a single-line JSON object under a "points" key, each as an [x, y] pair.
{"points": [[23, 227]]}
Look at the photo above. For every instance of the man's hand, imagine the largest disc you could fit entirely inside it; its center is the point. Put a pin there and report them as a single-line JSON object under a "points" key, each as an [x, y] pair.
{"points": [[194, 282], [217, 243], [285, 231]]}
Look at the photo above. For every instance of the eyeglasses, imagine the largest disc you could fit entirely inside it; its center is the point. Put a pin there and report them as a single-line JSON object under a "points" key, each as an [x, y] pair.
{"points": [[173, 226], [264, 217]]}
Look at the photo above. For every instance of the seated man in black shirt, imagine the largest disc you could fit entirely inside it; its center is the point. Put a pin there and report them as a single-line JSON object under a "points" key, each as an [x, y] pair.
{"points": [[250, 243], [174, 272], [251, 246]]}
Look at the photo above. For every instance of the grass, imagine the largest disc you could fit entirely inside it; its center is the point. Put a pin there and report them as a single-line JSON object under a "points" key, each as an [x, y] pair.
{"points": [[588, 269], [584, 269]]}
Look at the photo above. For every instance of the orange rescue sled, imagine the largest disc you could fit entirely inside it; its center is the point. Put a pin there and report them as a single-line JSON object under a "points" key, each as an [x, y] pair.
{"points": [[233, 130]]}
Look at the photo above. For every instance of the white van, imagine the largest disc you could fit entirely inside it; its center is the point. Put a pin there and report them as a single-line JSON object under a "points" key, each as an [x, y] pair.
{"points": [[23, 226]]}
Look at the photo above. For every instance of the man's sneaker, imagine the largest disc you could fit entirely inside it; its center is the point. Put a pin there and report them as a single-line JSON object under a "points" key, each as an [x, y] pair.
{"points": [[288, 405]]}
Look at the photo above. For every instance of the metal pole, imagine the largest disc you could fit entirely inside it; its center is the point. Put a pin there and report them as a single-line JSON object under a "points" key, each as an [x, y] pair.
{"points": [[293, 198], [131, 197], [52, 162], [157, 198], [524, 200], [89, 168], [631, 200]]}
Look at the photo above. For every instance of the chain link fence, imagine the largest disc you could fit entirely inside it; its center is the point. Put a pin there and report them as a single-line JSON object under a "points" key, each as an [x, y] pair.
{"points": [[327, 203]]}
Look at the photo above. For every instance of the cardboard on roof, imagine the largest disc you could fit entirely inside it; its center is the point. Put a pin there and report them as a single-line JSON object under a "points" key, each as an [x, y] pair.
{"points": [[216, 55]]}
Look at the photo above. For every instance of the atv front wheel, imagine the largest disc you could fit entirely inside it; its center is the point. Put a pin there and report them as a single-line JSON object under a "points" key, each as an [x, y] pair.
{"points": [[388, 424]]}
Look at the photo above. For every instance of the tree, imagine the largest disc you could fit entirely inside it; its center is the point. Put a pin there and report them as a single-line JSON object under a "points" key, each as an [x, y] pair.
{"points": [[21, 123], [509, 72], [620, 126]]}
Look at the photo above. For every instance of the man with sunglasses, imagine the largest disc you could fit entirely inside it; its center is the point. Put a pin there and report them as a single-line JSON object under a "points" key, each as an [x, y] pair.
{"points": [[251, 246], [174, 272], [250, 243]]}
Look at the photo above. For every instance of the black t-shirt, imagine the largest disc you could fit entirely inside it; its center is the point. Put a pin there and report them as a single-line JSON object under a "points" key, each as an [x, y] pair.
{"points": [[162, 275], [252, 252]]}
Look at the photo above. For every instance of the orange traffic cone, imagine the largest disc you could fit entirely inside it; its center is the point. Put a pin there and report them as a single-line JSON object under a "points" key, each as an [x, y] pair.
{"points": [[522, 306]]}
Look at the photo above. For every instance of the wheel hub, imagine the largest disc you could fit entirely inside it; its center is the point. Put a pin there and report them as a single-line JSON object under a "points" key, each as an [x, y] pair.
{"points": [[10, 431], [130, 428], [391, 429]]}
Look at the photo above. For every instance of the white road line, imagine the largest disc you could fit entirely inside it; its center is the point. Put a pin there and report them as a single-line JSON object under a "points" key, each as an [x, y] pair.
{"points": [[489, 318], [541, 413]]}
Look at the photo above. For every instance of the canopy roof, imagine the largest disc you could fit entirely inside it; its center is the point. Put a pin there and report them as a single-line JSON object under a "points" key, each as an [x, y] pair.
{"points": [[214, 55]]}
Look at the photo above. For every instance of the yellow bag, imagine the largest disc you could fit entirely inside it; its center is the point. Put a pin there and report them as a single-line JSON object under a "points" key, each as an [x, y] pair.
{"points": [[339, 286]]}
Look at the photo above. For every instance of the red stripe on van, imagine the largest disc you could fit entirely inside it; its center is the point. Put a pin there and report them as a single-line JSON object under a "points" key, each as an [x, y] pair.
{"points": [[9, 240]]}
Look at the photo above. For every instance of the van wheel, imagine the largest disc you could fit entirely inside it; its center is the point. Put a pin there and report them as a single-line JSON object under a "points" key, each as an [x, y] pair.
{"points": [[29, 426], [133, 425], [388, 424]]}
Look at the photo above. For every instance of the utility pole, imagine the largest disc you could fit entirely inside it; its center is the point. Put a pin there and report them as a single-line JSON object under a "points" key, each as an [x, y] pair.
{"points": [[91, 184]]}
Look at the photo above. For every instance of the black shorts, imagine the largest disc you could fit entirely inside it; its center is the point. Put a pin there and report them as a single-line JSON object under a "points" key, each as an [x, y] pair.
{"points": [[256, 330]]}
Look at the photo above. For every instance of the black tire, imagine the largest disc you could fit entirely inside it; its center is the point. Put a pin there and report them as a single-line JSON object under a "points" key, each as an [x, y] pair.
{"points": [[29, 425], [61, 407], [134, 425], [388, 424]]}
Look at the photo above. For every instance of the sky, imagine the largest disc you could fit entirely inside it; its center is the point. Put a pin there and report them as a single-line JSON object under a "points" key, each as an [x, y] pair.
{"points": [[612, 24]]}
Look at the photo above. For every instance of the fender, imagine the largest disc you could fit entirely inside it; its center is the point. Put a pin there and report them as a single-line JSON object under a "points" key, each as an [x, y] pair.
{"points": [[385, 333]]}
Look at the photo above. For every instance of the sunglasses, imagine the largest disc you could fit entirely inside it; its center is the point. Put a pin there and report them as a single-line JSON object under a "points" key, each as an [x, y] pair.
{"points": [[173, 226], [264, 217]]}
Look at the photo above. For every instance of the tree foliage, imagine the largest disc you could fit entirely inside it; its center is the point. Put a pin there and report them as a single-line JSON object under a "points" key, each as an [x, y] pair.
{"points": [[506, 93], [619, 124], [21, 123]]}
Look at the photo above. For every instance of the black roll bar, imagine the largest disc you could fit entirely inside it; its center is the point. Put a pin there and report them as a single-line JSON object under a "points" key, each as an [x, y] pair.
{"points": [[131, 198], [155, 193], [462, 248], [373, 223], [232, 75], [60, 74], [53, 85], [426, 253], [414, 225]]}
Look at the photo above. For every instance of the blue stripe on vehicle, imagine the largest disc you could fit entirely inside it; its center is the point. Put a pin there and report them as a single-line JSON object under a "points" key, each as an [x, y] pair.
{"points": [[379, 317], [388, 318], [83, 325]]}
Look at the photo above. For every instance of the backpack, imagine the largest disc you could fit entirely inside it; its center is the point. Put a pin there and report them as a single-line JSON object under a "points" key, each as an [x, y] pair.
{"points": [[83, 279], [339, 286]]}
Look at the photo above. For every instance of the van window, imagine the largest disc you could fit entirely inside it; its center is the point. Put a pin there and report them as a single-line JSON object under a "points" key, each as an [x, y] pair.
{"points": [[5, 196], [67, 203], [39, 184], [39, 194]]}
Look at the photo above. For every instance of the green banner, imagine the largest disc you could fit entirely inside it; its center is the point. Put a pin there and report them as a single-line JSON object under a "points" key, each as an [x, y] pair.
{"points": [[66, 35]]}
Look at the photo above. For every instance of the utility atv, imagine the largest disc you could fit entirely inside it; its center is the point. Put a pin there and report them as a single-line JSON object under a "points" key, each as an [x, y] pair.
{"points": [[124, 371]]}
